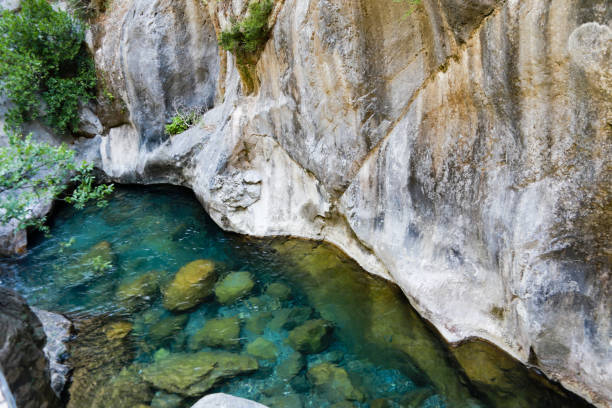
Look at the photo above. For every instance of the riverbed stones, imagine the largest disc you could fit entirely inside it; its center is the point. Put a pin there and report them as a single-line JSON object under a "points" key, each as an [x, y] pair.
{"points": [[279, 291], [91, 265], [312, 337], [290, 367], [223, 332], [334, 381], [234, 286], [195, 373], [167, 328], [138, 293], [165, 400], [289, 318], [127, 389], [191, 285], [118, 330], [257, 321], [262, 349]]}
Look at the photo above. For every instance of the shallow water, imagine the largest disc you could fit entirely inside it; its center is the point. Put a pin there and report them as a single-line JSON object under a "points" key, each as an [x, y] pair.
{"points": [[381, 353]]}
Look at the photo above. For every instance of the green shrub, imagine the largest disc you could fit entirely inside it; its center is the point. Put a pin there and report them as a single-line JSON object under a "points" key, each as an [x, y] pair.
{"points": [[31, 171], [249, 34], [44, 67], [178, 125], [412, 5]]}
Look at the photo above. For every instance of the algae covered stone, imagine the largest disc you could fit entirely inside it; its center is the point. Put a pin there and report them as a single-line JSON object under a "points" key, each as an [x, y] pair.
{"points": [[91, 265], [233, 287], [167, 328], [257, 321], [312, 337], [140, 292], [291, 366], [223, 333], [191, 285], [334, 381], [118, 330], [195, 373], [289, 318], [279, 291], [262, 349]]}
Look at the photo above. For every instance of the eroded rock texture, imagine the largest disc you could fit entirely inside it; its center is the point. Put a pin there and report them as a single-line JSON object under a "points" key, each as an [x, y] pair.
{"points": [[463, 152]]}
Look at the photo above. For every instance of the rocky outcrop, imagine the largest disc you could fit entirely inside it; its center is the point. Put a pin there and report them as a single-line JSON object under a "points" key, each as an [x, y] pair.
{"points": [[21, 354], [462, 152]]}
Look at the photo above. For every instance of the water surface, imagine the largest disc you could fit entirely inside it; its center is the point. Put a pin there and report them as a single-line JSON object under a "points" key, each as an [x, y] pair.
{"points": [[381, 354]]}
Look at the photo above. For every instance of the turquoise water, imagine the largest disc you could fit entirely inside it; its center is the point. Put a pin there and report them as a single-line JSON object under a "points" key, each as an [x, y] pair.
{"points": [[379, 353]]}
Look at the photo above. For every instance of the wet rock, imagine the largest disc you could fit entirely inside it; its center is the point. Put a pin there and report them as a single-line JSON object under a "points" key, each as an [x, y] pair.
{"points": [[58, 330], [343, 404], [262, 349], [91, 265], [21, 353], [165, 400], [224, 333], [257, 321], [290, 367], [194, 374], [140, 292], [284, 401], [289, 318], [233, 287], [226, 401], [416, 398], [334, 382], [191, 285], [312, 337], [279, 291], [118, 330], [126, 389], [381, 403], [167, 328], [300, 384]]}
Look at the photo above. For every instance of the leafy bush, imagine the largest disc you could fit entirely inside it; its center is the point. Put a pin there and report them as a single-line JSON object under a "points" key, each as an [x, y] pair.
{"points": [[44, 67], [32, 171], [184, 118], [248, 35]]}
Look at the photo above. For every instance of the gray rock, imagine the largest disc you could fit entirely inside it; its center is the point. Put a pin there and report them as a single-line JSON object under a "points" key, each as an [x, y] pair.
{"points": [[89, 124], [225, 401], [21, 354], [58, 330]]}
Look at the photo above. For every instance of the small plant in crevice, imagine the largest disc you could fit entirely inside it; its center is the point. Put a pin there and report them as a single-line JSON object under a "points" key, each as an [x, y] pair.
{"points": [[45, 70], [246, 38], [184, 118], [412, 6]]}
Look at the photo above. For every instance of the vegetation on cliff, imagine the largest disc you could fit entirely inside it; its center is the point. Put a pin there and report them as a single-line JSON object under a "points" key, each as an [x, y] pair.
{"points": [[45, 70]]}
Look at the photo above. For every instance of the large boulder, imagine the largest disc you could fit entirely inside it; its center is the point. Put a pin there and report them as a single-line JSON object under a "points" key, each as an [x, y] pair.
{"points": [[194, 374], [314, 336], [226, 401], [138, 293], [22, 359], [192, 284], [58, 330]]}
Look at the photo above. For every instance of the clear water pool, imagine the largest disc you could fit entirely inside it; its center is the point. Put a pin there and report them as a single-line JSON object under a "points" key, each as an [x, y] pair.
{"points": [[110, 270]]}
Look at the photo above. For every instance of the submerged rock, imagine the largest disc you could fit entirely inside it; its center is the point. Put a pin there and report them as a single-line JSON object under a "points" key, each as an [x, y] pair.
{"points": [[290, 367], [118, 330], [127, 389], [312, 337], [289, 318], [257, 321], [226, 401], [164, 400], [262, 349], [334, 381], [194, 374], [167, 328], [140, 292], [233, 287], [279, 291], [284, 401], [91, 265], [223, 333], [191, 285]]}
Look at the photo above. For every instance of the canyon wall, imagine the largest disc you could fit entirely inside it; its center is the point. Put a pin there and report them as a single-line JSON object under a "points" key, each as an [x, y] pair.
{"points": [[462, 151]]}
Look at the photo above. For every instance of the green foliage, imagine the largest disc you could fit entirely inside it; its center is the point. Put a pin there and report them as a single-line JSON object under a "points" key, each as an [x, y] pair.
{"points": [[44, 67], [184, 119], [99, 265], [412, 5], [32, 171], [178, 125], [249, 34]]}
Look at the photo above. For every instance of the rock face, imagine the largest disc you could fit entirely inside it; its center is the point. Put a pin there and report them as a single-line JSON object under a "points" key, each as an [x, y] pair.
{"points": [[463, 152], [21, 354]]}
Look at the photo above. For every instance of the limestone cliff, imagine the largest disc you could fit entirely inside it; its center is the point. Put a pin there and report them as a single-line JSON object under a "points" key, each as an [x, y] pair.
{"points": [[462, 152]]}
